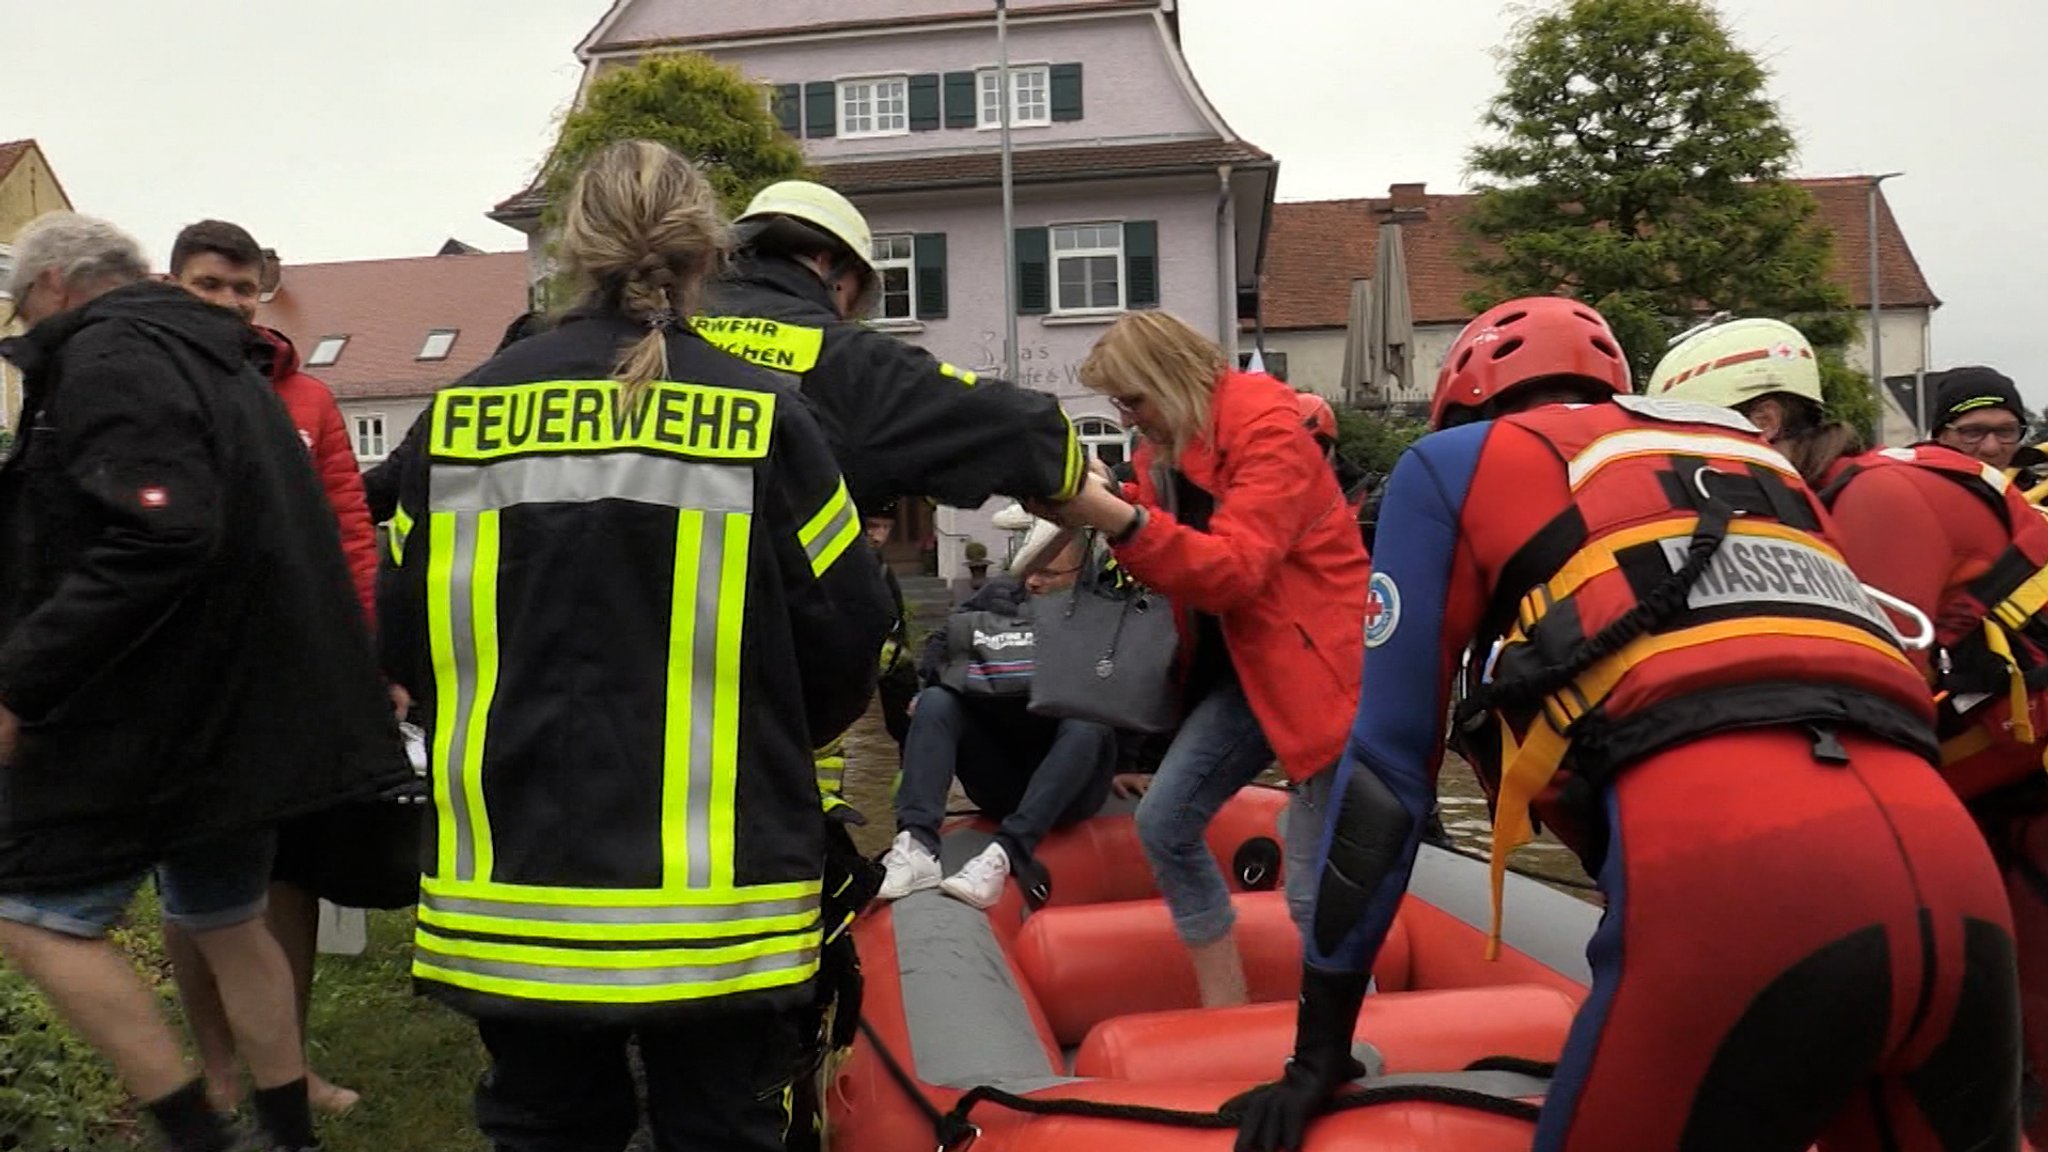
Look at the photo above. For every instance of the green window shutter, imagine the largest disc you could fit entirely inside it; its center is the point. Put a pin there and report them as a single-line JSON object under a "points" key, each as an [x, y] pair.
{"points": [[1034, 272], [924, 102], [929, 249], [1066, 91], [1141, 264], [963, 100], [821, 108], [789, 108]]}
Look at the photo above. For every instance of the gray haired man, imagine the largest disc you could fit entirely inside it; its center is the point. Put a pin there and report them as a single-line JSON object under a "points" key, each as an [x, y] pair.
{"points": [[182, 664]]}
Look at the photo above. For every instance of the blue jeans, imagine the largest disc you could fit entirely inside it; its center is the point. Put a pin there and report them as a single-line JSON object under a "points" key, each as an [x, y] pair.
{"points": [[204, 887], [1218, 750], [1302, 846], [1030, 772]]}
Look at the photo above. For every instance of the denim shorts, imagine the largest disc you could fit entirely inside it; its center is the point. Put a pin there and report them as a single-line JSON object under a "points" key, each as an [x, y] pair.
{"points": [[217, 884]]}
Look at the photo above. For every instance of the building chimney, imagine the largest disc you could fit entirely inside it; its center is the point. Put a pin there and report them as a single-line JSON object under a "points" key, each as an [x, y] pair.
{"points": [[1408, 200]]}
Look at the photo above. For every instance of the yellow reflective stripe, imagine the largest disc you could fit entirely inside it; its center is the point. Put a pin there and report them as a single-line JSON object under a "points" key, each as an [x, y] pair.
{"points": [[680, 715], [1077, 463], [828, 533], [615, 930], [579, 416], [770, 343], [447, 688], [597, 960], [960, 374], [585, 901], [729, 621], [462, 625], [395, 535], [555, 975]]}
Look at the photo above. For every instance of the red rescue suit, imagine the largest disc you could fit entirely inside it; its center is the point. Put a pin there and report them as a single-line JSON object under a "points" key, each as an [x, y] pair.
{"points": [[1955, 539], [1805, 939]]}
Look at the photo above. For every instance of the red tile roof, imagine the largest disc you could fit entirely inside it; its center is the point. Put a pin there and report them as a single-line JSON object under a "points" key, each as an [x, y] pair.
{"points": [[387, 307], [979, 169], [1316, 248], [12, 153]]}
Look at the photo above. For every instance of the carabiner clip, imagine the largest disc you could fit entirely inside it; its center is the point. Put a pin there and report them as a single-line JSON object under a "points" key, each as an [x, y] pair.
{"points": [[1918, 643]]}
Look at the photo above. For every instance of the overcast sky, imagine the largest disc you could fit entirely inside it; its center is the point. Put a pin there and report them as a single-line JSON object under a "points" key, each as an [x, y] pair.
{"points": [[378, 128]]}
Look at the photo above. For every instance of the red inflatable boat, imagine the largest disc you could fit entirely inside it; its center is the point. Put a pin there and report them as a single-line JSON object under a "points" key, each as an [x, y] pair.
{"points": [[1092, 998]]}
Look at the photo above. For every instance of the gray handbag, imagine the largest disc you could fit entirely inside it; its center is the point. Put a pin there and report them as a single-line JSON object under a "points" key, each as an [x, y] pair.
{"points": [[1105, 652]]}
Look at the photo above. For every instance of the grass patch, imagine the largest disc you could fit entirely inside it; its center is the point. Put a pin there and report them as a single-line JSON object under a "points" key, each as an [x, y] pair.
{"points": [[415, 1063]]}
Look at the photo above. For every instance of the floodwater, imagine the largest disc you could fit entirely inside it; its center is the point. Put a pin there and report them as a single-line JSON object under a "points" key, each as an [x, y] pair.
{"points": [[871, 764]]}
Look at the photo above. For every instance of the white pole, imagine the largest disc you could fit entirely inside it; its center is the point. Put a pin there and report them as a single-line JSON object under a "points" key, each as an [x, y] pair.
{"points": [[1009, 202]]}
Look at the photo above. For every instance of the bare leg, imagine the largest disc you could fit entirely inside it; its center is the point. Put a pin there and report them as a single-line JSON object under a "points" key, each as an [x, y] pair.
{"points": [[99, 994], [205, 1017], [255, 985], [295, 921], [1219, 973]]}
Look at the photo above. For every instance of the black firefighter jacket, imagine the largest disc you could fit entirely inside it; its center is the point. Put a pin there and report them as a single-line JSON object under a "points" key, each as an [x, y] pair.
{"points": [[628, 631], [901, 422], [177, 631]]}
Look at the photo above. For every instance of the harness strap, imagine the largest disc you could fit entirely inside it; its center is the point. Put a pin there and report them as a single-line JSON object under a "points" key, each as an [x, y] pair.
{"points": [[2001, 647]]}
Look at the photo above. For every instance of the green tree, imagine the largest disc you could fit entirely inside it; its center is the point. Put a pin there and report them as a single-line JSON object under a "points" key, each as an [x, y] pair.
{"points": [[703, 109], [1637, 163], [1372, 440]]}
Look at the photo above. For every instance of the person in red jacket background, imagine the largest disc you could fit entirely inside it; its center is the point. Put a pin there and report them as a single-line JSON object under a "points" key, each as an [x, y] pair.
{"points": [[221, 264], [1235, 516]]}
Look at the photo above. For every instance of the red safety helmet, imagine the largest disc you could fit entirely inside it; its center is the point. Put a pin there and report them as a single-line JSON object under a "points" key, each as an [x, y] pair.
{"points": [[1317, 416], [1521, 342]]}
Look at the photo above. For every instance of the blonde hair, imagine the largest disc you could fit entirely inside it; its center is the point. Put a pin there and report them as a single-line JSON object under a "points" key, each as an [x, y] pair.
{"points": [[643, 232], [1162, 358]]}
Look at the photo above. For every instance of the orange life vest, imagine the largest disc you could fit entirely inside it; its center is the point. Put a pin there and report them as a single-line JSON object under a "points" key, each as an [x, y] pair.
{"points": [[1688, 588], [1990, 671]]}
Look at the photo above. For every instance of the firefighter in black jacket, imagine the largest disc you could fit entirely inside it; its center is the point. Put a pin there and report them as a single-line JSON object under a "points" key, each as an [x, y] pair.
{"points": [[633, 597], [901, 421]]}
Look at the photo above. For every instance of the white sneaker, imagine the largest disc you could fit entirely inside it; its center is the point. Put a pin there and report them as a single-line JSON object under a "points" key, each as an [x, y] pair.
{"points": [[911, 868], [980, 881]]}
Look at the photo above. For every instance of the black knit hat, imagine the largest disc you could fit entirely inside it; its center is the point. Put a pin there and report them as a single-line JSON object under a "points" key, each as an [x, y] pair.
{"points": [[1960, 391]]}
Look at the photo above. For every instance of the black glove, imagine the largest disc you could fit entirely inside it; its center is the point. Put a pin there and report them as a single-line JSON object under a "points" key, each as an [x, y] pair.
{"points": [[1274, 1117]]}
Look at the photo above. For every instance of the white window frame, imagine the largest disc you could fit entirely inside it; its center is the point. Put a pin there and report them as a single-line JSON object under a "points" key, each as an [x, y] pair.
{"points": [[315, 360], [907, 262], [1093, 432], [1055, 255], [900, 121], [363, 427], [453, 334], [6, 271], [988, 104]]}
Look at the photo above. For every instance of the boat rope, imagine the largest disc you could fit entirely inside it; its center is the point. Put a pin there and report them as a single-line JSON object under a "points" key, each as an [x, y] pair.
{"points": [[956, 1131]]}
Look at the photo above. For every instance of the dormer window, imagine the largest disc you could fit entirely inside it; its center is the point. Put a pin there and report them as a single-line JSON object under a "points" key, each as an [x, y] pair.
{"points": [[327, 351], [438, 344]]}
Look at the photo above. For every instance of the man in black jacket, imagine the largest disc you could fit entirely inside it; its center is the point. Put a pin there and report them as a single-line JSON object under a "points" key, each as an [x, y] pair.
{"points": [[182, 664]]}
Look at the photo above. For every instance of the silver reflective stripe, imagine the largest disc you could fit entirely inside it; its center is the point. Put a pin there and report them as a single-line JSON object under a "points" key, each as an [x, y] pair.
{"points": [[643, 477], [462, 632], [664, 914], [703, 658], [620, 977]]}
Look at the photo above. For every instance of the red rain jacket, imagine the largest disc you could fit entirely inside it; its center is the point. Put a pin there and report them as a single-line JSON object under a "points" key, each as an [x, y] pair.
{"points": [[322, 430], [1281, 566]]}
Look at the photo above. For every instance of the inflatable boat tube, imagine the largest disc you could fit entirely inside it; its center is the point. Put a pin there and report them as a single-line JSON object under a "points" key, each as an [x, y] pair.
{"points": [[1092, 998]]}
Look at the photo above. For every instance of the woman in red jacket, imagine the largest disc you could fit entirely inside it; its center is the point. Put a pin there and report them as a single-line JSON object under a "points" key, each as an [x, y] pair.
{"points": [[1237, 519]]}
